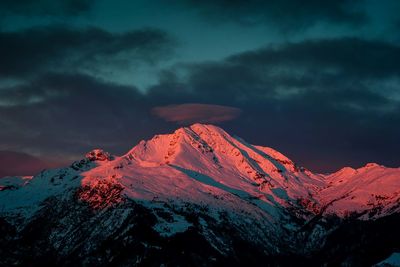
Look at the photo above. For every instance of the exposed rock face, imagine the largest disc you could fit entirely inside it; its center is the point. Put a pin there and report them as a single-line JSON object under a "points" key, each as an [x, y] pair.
{"points": [[199, 197], [98, 155]]}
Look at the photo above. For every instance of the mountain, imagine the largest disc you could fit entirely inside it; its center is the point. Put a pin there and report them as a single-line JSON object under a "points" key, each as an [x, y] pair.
{"points": [[199, 197], [372, 191]]}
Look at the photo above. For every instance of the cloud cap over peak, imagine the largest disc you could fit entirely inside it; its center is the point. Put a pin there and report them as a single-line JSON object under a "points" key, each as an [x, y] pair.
{"points": [[195, 112]]}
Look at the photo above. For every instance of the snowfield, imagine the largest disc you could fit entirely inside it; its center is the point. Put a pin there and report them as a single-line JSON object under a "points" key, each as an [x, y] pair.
{"points": [[201, 178]]}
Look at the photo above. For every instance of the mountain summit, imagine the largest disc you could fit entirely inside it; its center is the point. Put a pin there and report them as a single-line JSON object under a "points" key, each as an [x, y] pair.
{"points": [[196, 197]]}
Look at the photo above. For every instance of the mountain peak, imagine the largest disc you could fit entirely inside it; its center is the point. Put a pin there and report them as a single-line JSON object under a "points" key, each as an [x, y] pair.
{"points": [[210, 151], [197, 178], [199, 127], [98, 155], [346, 171], [371, 165], [184, 141]]}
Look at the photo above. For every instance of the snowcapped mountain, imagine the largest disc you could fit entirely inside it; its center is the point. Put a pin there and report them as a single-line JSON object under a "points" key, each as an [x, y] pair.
{"points": [[371, 191], [196, 197]]}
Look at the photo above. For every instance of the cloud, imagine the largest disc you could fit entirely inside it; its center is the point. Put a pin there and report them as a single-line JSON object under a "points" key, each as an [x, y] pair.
{"points": [[91, 50], [191, 113], [326, 100], [45, 7], [287, 70], [287, 15], [66, 115], [353, 56]]}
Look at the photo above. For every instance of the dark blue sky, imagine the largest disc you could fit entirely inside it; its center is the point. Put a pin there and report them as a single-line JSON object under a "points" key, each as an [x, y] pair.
{"points": [[317, 80]]}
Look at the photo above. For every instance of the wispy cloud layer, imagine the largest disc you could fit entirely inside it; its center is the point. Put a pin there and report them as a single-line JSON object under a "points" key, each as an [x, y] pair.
{"points": [[318, 80]]}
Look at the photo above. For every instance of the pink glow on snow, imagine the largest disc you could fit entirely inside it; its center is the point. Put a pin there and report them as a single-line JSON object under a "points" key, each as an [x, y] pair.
{"points": [[204, 164], [195, 161]]}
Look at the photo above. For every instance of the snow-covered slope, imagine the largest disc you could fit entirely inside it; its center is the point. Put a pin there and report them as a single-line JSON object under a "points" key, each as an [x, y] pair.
{"points": [[201, 178], [200, 160], [200, 163], [371, 191]]}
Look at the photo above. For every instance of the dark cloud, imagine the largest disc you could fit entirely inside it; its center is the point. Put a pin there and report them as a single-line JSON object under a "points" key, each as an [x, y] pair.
{"points": [[324, 103], [91, 50], [317, 101], [64, 115], [328, 65], [352, 56], [194, 112], [45, 7], [288, 15]]}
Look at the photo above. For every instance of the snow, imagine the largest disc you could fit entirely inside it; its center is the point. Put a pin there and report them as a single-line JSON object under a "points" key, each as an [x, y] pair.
{"points": [[13, 182], [98, 155], [204, 164], [357, 190], [392, 260], [26, 199], [177, 224]]}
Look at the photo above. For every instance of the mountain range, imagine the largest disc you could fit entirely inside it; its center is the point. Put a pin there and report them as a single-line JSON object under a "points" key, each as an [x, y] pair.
{"points": [[199, 197]]}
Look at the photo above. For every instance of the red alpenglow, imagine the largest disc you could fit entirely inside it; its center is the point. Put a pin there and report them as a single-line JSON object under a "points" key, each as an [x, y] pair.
{"points": [[199, 179]]}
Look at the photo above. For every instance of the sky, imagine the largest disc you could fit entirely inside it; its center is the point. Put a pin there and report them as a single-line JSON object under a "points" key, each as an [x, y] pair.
{"points": [[317, 80]]}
